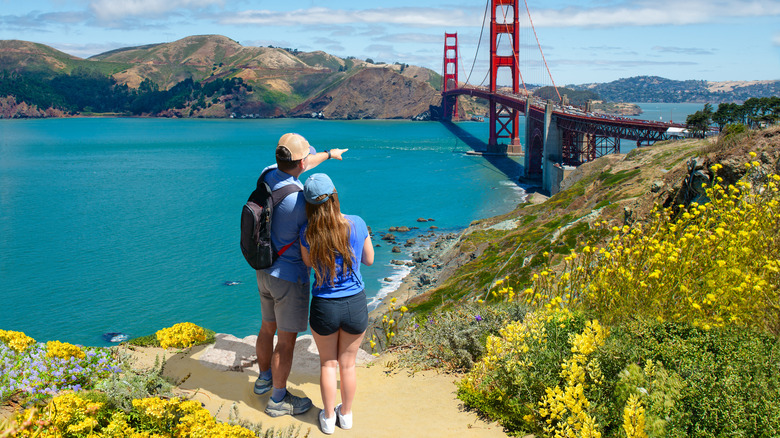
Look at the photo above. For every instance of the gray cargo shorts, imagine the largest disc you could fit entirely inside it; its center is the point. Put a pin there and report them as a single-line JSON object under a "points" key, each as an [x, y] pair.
{"points": [[284, 302]]}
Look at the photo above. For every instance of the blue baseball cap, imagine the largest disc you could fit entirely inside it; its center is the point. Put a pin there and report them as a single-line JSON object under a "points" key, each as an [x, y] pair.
{"points": [[318, 188]]}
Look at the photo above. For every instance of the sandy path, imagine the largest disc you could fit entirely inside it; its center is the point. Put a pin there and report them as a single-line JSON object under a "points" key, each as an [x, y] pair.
{"points": [[390, 402]]}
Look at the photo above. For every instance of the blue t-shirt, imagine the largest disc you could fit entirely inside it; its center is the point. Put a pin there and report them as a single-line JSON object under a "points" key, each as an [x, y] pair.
{"points": [[346, 283], [288, 219]]}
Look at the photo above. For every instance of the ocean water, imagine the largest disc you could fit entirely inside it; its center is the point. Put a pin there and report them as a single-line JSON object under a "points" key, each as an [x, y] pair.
{"points": [[132, 225]]}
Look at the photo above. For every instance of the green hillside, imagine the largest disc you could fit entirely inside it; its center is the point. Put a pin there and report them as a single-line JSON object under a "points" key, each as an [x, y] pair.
{"points": [[265, 81]]}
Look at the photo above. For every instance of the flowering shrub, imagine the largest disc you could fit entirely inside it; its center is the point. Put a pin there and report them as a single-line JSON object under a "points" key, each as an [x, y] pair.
{"points": [[711, 265], [186, 418], [558, 374], [528, 379], [181, 335], [71, 415], [565, 408], [39, 370], [18, 341], [63, 350]]}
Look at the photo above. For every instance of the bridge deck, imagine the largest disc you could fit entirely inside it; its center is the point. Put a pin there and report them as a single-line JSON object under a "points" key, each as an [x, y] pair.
{"points": [[573, 118]]}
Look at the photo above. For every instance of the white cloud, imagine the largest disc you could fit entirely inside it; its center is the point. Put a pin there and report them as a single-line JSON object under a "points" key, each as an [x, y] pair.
{"points": [[116, 10], [684, 50], [776, 40], [423, 38], [420, 17], [651, 13]]}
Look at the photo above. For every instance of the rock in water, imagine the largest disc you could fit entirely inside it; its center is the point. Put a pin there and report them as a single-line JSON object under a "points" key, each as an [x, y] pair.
{"points": [[115, 337]]}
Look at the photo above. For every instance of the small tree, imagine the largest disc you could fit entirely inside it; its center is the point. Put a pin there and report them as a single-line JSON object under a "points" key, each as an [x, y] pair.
{"points": [[699, 122]]}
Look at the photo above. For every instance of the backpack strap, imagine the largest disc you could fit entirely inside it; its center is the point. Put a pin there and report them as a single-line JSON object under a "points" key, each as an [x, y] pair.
{"points": [[285, 248], [279, 194]]}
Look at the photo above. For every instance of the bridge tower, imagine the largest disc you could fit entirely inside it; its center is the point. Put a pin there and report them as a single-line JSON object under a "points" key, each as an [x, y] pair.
{"points": [[450, 77], [504, 120]]}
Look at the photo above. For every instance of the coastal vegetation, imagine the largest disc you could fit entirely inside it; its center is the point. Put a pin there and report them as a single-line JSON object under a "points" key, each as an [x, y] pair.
{"points": [[65, 390], [754, 113], [659, 318]]}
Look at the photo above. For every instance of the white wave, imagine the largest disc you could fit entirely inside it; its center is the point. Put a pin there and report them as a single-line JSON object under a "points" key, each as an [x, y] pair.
{"points": [[390, 284]]}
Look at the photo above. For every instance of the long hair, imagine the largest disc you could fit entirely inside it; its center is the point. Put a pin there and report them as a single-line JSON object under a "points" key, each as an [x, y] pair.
{"points": [[328, 235]]}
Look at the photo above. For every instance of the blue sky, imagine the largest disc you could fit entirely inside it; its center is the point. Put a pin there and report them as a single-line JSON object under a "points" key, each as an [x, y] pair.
{"points": [[582, 41]]}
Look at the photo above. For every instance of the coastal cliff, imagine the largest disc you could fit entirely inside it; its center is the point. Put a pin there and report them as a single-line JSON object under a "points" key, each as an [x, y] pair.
{"points": [[373, 93]]}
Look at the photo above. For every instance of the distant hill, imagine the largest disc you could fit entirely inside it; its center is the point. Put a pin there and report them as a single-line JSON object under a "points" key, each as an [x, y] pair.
{"points": [[204, 76], [657, 89]]}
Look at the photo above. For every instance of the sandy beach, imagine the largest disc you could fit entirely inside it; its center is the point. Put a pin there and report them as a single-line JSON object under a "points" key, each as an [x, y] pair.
{"points": [[390, 401]]}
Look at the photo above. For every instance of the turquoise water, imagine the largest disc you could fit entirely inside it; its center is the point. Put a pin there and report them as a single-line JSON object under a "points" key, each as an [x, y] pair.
{"points": [[131, 225]]}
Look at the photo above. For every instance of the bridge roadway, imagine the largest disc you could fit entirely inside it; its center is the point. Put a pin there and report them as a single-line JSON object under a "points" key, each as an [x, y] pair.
{"points": [[558, 137], [574, 119]]}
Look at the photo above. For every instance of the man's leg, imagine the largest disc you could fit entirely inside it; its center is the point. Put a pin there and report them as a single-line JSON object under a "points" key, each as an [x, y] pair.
{"points": [[291, 309], [281, 361], [265, 338], [282, 402], [265, 345]]}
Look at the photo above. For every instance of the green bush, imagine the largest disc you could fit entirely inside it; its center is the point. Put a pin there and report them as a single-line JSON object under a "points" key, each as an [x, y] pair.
{"points": [[731, 375], [558, 373]]}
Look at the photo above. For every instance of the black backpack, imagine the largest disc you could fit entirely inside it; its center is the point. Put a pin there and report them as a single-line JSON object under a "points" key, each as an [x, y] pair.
{"points": [[256, 216]]}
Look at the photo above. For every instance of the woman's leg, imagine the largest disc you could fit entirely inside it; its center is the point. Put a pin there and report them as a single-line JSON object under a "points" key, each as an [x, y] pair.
{"points": [[348, 345], [328, 348]]}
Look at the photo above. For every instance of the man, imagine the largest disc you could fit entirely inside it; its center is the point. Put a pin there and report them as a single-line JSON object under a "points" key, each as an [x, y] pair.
{"points": [[284, 287]]}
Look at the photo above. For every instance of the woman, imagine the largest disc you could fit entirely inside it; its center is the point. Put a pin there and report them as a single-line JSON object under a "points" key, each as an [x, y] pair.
{"points": [[334, 245]]}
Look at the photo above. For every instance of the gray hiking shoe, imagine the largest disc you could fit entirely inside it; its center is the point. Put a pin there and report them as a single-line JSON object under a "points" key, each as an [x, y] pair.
{"points": [[262, 386], [290, 405]]}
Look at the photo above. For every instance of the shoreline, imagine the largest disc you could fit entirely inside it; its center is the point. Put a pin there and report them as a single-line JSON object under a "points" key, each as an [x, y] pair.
{"points": [[433, 264], [425, 274]]}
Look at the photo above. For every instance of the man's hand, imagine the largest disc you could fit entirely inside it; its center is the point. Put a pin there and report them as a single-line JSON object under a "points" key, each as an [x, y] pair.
{"points": [[336, 153]]}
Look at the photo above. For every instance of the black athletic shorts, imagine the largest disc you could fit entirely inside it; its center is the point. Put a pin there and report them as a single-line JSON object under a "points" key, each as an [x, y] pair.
{"points": [[328, 315]]}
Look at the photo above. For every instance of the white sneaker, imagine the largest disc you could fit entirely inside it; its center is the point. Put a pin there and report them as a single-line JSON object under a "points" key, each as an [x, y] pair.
{"points": [[328, 425], [345, 421]]}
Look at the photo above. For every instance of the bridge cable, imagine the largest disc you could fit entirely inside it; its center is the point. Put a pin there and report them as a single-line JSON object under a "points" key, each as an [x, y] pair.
{"points": [[517, 60], [479, 43], [540, 51]]}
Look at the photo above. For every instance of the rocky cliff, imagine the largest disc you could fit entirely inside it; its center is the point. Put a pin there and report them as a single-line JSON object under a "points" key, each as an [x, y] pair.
{"points": [[372, 93]]}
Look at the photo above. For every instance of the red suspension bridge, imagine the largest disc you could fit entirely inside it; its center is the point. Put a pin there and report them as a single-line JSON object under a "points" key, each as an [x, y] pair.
{"points": [[557, 134]]}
